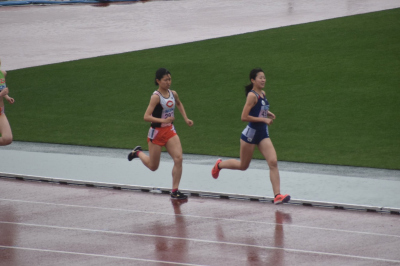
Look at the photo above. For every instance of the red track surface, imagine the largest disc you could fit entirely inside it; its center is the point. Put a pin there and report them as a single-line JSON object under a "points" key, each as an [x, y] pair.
{"points": [[51, 224]]}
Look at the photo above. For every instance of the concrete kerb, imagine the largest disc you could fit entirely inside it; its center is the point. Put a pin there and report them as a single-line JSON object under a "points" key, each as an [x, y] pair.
{"points": [[203, 194]]}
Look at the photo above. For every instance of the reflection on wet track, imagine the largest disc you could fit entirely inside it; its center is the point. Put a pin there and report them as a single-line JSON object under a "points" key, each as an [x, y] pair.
{"points": [[47, 224]]}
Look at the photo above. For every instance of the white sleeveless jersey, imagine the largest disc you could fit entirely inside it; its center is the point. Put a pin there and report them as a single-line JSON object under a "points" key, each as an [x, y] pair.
{"points": [[164, 109]]}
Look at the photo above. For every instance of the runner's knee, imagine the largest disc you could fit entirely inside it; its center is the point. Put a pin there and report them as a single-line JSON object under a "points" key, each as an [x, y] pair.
{"points": [[273, 163], [243, 167], [178, 159], [6, 140], [153, 168]]}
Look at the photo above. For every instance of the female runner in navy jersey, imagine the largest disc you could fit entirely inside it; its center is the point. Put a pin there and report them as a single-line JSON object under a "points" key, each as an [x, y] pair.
{"points": [[256, 112], [160, 113]]}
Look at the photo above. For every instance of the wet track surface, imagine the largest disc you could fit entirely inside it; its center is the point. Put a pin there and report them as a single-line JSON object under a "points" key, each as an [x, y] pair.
{"points": [[45, 224]]}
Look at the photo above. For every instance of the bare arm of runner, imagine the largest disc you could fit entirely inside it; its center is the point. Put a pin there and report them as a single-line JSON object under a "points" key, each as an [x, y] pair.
{"points": [[251, 101], [181, 109], [154, 100]]}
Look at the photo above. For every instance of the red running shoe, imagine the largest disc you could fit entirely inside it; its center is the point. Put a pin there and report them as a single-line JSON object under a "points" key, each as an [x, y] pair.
{"points": [[215, 170], [281, 199]]}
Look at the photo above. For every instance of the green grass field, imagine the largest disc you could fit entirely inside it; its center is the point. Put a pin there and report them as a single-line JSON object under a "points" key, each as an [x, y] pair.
{"points": [[333, 85]]}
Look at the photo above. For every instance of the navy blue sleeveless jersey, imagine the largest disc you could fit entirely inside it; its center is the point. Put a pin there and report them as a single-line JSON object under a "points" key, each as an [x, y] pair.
{"points": [[259, 110], [254, 133]]}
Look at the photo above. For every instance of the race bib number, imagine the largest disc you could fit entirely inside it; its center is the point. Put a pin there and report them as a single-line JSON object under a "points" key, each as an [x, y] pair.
{"points": [[168, 113], [249, 133], [152, 133], [264, 112]]}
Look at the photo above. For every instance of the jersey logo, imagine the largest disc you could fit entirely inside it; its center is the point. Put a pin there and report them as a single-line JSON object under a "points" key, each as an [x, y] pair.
{"points": [[170, 104], [262, 102]]}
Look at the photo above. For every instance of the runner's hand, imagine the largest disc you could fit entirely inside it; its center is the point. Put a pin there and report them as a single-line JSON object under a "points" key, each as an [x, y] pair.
{"points": [[169, 119], [189, 122], [10, 100]]}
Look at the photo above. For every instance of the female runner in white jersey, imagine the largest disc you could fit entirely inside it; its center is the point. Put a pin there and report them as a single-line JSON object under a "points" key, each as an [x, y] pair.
{"points": [[160, 113], [5, 129], [256, 112]]}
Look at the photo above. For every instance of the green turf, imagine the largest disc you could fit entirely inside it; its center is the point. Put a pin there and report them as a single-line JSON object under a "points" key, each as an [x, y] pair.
{"points": [[333, 85]]}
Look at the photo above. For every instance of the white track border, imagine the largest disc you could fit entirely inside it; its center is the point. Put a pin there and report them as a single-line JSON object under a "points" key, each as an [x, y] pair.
{"points": [[221, 195]]}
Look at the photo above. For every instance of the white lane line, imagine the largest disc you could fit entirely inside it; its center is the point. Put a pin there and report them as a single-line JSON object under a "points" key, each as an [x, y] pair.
{"points": [[96, 255], [200, 241], [203, 217]]}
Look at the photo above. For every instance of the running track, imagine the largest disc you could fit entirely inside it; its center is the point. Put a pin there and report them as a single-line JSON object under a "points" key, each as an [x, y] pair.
{"points": [[52, 224]]}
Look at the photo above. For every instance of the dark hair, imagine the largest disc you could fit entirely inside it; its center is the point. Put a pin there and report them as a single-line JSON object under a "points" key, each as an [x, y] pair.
{"points": [[160, 73], [253, 75]]}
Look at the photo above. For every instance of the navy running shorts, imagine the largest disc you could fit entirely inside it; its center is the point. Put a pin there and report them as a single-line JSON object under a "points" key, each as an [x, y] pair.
{"points": [[254, 136]]}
